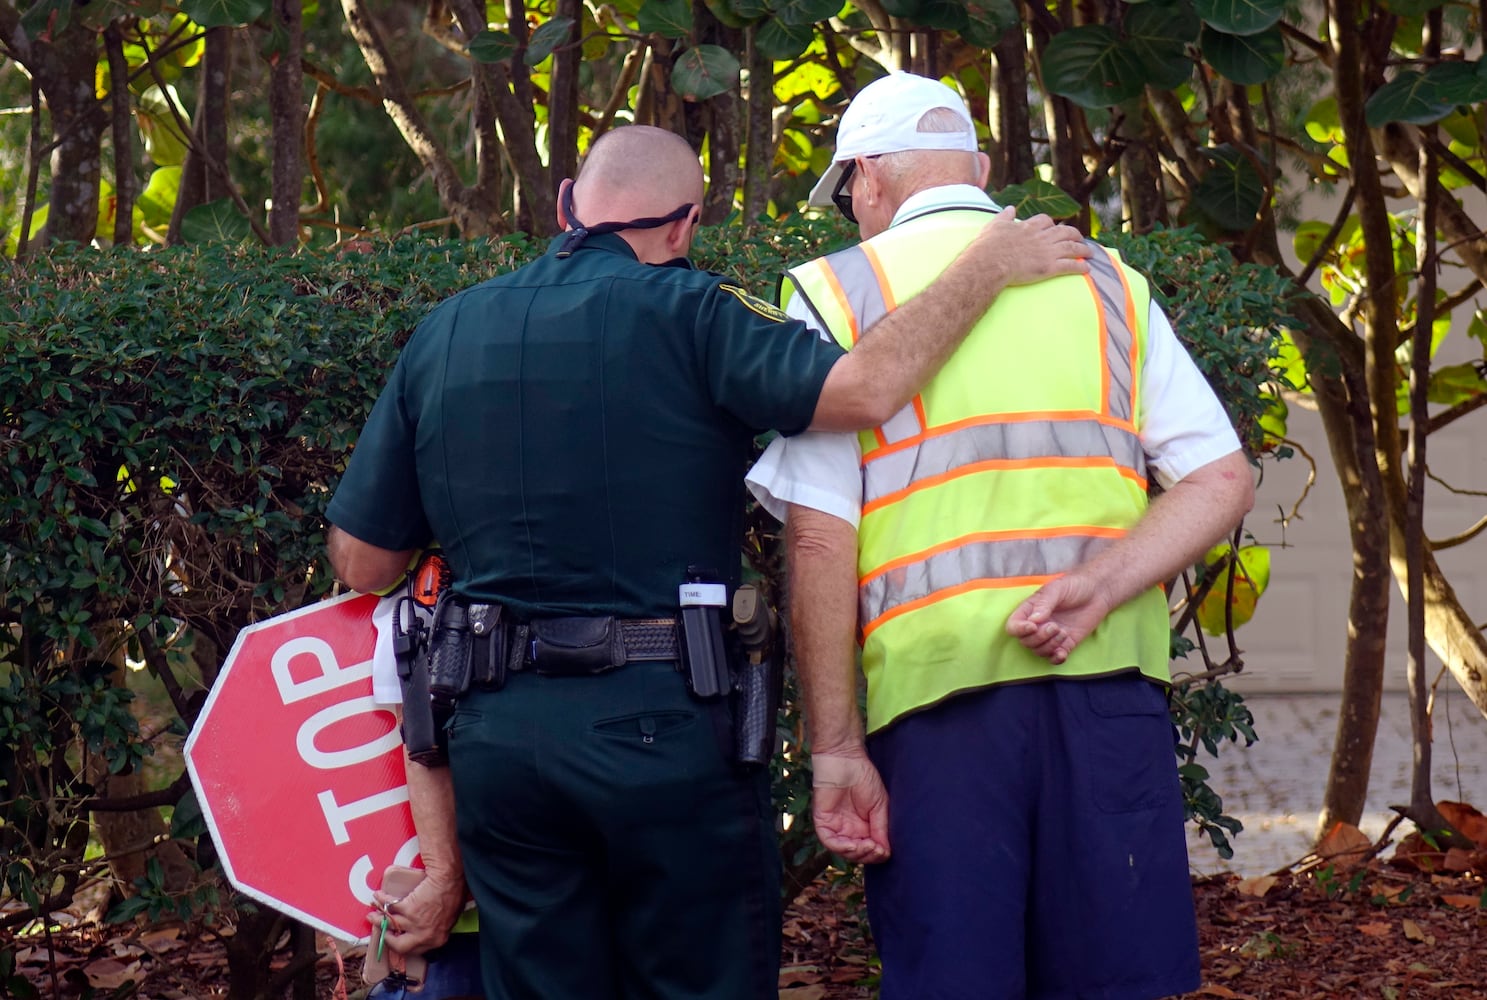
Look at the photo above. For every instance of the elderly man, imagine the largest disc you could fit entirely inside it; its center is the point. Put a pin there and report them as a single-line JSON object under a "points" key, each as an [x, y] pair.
{"points": [[991, 548], [572, 433]]}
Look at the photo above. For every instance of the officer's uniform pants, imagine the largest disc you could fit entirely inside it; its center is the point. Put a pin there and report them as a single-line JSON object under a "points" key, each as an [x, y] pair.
{"points": [[613, 849]]}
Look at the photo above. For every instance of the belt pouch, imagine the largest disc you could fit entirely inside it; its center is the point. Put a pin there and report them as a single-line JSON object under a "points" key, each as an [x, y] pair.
{"points": [[487, 647], [575, 645]]}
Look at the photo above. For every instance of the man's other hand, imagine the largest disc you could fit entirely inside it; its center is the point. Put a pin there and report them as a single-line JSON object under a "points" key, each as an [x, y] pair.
{"points": [[1029, 250], [849, 805], [1059, 616]]}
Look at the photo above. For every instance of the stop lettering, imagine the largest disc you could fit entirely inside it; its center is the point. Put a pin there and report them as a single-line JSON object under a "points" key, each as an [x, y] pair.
{"points": [[298, 772]]}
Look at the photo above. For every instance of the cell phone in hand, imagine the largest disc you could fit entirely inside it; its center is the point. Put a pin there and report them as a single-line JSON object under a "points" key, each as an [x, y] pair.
{"points": [[397, 881]]}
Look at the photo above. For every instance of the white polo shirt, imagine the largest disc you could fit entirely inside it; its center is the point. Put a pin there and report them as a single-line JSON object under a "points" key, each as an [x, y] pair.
{"points": [[1183, 424]]}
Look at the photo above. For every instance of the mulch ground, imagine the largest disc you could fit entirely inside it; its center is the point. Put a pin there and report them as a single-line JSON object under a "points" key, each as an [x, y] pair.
{"points": [[1377, 931]]}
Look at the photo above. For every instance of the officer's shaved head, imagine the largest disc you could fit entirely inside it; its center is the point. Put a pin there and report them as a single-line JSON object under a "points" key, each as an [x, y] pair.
{"points": [[636, 171]]}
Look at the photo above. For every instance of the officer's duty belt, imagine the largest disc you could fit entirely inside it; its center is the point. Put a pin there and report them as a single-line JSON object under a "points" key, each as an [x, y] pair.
{"points": [[576, 646]]}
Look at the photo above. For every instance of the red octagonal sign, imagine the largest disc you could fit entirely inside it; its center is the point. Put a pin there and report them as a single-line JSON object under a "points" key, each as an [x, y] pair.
{"points": [[299, 772]]}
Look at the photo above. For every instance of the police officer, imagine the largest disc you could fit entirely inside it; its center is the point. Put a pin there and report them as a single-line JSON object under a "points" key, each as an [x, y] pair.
{"points": [[574, 434]]}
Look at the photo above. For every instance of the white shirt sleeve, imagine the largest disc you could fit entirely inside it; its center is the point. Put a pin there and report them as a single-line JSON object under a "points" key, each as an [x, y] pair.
{"points": [[1183, 424], [386, 688], [815, 469]]}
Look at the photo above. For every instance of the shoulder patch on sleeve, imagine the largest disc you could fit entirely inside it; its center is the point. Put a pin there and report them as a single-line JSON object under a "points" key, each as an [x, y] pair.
{"points": [[755, 304]]}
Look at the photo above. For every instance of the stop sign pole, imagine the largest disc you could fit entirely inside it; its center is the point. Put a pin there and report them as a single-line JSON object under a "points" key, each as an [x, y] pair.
{"points": [[299, 772]]}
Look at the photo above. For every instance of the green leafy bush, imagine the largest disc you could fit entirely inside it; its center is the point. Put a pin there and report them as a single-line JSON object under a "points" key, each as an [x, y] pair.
{"points": [[173, 424]]}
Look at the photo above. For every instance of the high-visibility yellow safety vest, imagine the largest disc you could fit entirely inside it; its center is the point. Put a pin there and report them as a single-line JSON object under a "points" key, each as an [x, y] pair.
{"points": [[1017, 462]]}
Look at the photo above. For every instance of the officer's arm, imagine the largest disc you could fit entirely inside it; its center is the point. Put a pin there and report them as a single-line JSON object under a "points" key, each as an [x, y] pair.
{"points": [[363, 566], [903, 350]]}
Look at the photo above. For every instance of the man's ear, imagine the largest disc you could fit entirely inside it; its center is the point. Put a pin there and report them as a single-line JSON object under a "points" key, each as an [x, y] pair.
{"points": [[679, 234], [563, 221], [983, 170], [872, 179]]}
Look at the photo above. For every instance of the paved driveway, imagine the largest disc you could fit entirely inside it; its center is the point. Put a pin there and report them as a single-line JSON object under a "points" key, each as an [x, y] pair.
{"points": [[1275, 787]]}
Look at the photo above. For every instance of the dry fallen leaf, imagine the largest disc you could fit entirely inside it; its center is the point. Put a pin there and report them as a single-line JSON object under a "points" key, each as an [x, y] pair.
{"points": [[1375, 929], [1458, 860], [1467, 820], [804, 993], [1462, 902], [107, 974], [1412, 931], [1257, 886], [1343, 845]]}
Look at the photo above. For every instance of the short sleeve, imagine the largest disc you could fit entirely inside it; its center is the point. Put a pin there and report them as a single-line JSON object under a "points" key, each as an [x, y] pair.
{"points": [[816, 470], [762, 367], [1183, 424], [378, 500]]}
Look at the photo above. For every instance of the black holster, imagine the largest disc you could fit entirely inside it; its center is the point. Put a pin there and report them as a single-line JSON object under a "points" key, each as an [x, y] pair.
{"points": [[422, 735], [758, 679]]}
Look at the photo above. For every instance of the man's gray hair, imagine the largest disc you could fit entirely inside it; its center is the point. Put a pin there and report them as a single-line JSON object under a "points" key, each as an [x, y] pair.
{"points": [[899, 168]]}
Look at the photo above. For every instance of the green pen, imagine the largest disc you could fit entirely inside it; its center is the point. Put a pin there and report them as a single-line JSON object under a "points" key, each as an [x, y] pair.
{"points": [[381, 936]]}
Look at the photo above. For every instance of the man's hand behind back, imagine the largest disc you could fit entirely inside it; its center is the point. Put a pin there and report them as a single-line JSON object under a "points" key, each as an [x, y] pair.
{"points": [[1025, 251]]}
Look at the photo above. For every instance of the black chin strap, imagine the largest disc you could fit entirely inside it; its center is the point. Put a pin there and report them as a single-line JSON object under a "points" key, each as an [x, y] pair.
{"points": [[580, 232]]}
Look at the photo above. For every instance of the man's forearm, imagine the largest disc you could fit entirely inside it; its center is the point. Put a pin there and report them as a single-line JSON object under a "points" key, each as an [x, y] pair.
{"points": [[1177, 529], [823, 618], [431, 799]]}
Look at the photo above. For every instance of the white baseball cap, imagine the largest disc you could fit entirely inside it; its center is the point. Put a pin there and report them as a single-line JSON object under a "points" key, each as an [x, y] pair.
{"points": [[884, 118]]}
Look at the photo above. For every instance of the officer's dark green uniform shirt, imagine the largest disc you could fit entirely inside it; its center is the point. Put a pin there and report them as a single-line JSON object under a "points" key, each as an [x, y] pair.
{"points": [[575, 433]]}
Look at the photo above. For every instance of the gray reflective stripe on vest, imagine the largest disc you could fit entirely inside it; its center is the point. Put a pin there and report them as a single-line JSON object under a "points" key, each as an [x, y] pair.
{"points": [[854, 272], [1110, 289], [887, 473], [977, 560]]}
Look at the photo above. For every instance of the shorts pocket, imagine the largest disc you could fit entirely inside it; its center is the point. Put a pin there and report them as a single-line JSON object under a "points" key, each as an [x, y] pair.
{"points": [[1131, 754]]}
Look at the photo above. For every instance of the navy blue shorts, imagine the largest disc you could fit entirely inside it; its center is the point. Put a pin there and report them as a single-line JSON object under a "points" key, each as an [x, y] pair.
{"points": [[453, 974], [1038, 847]]}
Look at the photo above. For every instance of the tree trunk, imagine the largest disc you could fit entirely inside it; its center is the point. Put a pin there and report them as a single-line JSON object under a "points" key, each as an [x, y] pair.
{"points": [[1140, 171], [287, 111], [1012, 161], [758, 131], [123, 135], [723, 117], [562, 100], [201, 182], [65, 69], [1343, 406]]}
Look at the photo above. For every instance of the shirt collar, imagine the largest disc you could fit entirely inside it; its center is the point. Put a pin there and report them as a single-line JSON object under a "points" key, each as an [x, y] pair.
{"points": [[937, 199], [611, 243]]}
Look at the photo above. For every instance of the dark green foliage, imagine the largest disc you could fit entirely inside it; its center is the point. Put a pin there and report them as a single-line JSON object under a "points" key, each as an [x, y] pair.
{"points": [[173, 424], [1211, 715], [1228, 314]]}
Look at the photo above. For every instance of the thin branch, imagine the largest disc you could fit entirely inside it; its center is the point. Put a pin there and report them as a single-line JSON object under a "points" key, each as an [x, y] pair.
{"points": [[167, 796], [312, 154], [1455, 413], [1462, 538], [1456, 163], [33, 175], [1311, 480], [156, 658], [1454, 489]]}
